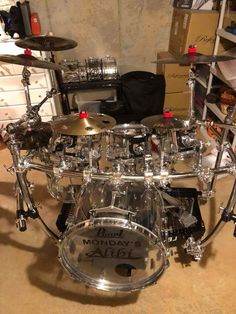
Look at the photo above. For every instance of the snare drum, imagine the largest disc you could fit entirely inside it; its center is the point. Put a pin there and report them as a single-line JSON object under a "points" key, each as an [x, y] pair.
{"points": [[115, 243], [94, 68], [109, 68], [127, 141]]}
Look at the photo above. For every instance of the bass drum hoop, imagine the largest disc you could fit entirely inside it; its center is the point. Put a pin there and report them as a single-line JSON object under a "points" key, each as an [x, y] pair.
{"points": [[106, 285]]}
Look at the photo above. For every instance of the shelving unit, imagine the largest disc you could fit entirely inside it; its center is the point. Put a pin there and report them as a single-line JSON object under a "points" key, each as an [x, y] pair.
{"points": [[215, 72], [12, 96]]}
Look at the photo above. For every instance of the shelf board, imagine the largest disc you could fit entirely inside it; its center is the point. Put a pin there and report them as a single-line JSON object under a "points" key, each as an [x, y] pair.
{"points": [[223, 34], [218, 113], [201, 81], [216, 72]]}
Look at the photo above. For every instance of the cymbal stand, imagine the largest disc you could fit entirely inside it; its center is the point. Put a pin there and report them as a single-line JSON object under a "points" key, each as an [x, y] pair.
{"points": [[58, 78], [25, 81], [223, 142], [32, 117], [23, 194], [191, 83]]}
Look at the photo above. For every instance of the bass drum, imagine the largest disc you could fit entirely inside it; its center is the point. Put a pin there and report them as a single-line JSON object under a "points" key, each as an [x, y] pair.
{"points": [[115, 243]]}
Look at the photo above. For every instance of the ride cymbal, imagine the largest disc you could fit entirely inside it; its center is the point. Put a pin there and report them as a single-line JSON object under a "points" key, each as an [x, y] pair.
{"points": [[83, 123], [158, 122], [46, 43], [194, 58], [30, 61]]}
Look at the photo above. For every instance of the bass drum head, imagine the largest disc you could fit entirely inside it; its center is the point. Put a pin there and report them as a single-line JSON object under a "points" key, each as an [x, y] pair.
{"points": [[112, 254]]}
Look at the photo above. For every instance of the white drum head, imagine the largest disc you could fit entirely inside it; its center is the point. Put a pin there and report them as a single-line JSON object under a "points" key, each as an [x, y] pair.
{"points": [[112, 254]]}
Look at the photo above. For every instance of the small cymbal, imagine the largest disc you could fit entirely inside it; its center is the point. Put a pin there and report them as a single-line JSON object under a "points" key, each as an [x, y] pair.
{"points": [[46, 43], [30, 61], [158, 122], [84, 123], [194, 58]]}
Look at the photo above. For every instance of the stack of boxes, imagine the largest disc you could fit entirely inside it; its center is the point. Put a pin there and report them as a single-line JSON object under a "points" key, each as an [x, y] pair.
{"points": [[177, 95], [189, 27]]}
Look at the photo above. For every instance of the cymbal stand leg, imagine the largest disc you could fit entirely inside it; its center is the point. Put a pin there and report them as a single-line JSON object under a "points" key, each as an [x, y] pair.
{"points": [[228, 120], [174, 142], [227, 215], [22, 184], [21, 214], [90, 153], [162, 154], [25, 81], [191, 84]]}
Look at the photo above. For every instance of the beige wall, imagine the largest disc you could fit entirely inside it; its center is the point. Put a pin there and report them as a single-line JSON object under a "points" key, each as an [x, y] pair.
{"points": [[130, 30]]}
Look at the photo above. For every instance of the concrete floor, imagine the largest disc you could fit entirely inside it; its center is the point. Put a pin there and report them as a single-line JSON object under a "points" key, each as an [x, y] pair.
{"points": [[32, 280]]}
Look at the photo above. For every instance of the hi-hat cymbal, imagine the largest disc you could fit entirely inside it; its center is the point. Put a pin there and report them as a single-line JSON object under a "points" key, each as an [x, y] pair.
{"points": [[30, 61], [46, 43], [158, 122], [194, 58], [84, 123]]}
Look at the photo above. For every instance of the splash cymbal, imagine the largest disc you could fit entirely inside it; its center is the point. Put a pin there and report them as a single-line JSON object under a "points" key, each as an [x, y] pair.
{"points": [[30, 61], [194, 58], [83, 123], [158, 122], [46, 43]]}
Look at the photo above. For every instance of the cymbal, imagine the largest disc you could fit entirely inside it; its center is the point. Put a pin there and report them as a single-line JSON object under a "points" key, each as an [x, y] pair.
{"points": [[46, 43], [83, 123], [194, 58], [158, 122], [30, 61]]}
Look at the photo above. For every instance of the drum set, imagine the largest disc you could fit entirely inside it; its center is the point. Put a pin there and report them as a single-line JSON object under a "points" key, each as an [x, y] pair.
{"points": [[121, 208]]}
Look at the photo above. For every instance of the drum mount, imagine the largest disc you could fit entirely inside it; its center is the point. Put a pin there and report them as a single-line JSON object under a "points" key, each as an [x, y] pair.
{"points": [[116, 226], [118, 222]]}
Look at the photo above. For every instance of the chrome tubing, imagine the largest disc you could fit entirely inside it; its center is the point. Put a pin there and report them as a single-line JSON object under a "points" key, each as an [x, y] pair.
{"points": [[109, 175], [24, 193], [47, 230], [221, 223]]}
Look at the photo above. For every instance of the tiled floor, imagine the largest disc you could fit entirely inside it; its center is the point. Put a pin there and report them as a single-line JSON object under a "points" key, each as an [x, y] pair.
{"points": [[32, 280]]}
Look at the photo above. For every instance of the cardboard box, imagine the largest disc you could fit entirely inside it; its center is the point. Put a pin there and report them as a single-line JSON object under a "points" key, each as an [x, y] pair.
{"points": [[176, 76], [178, 103], [196, 27], [194, 4]]}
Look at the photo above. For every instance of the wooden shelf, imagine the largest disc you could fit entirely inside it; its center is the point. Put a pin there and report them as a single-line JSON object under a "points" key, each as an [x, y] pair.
{"points": [[216, 72], [223, 34], [218, 113]]}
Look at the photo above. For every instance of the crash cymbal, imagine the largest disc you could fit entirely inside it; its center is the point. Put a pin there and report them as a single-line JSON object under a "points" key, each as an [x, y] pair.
{"points": [[46, 43], [30, 61], [83, 123], [194, 58], [158, 122]]}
